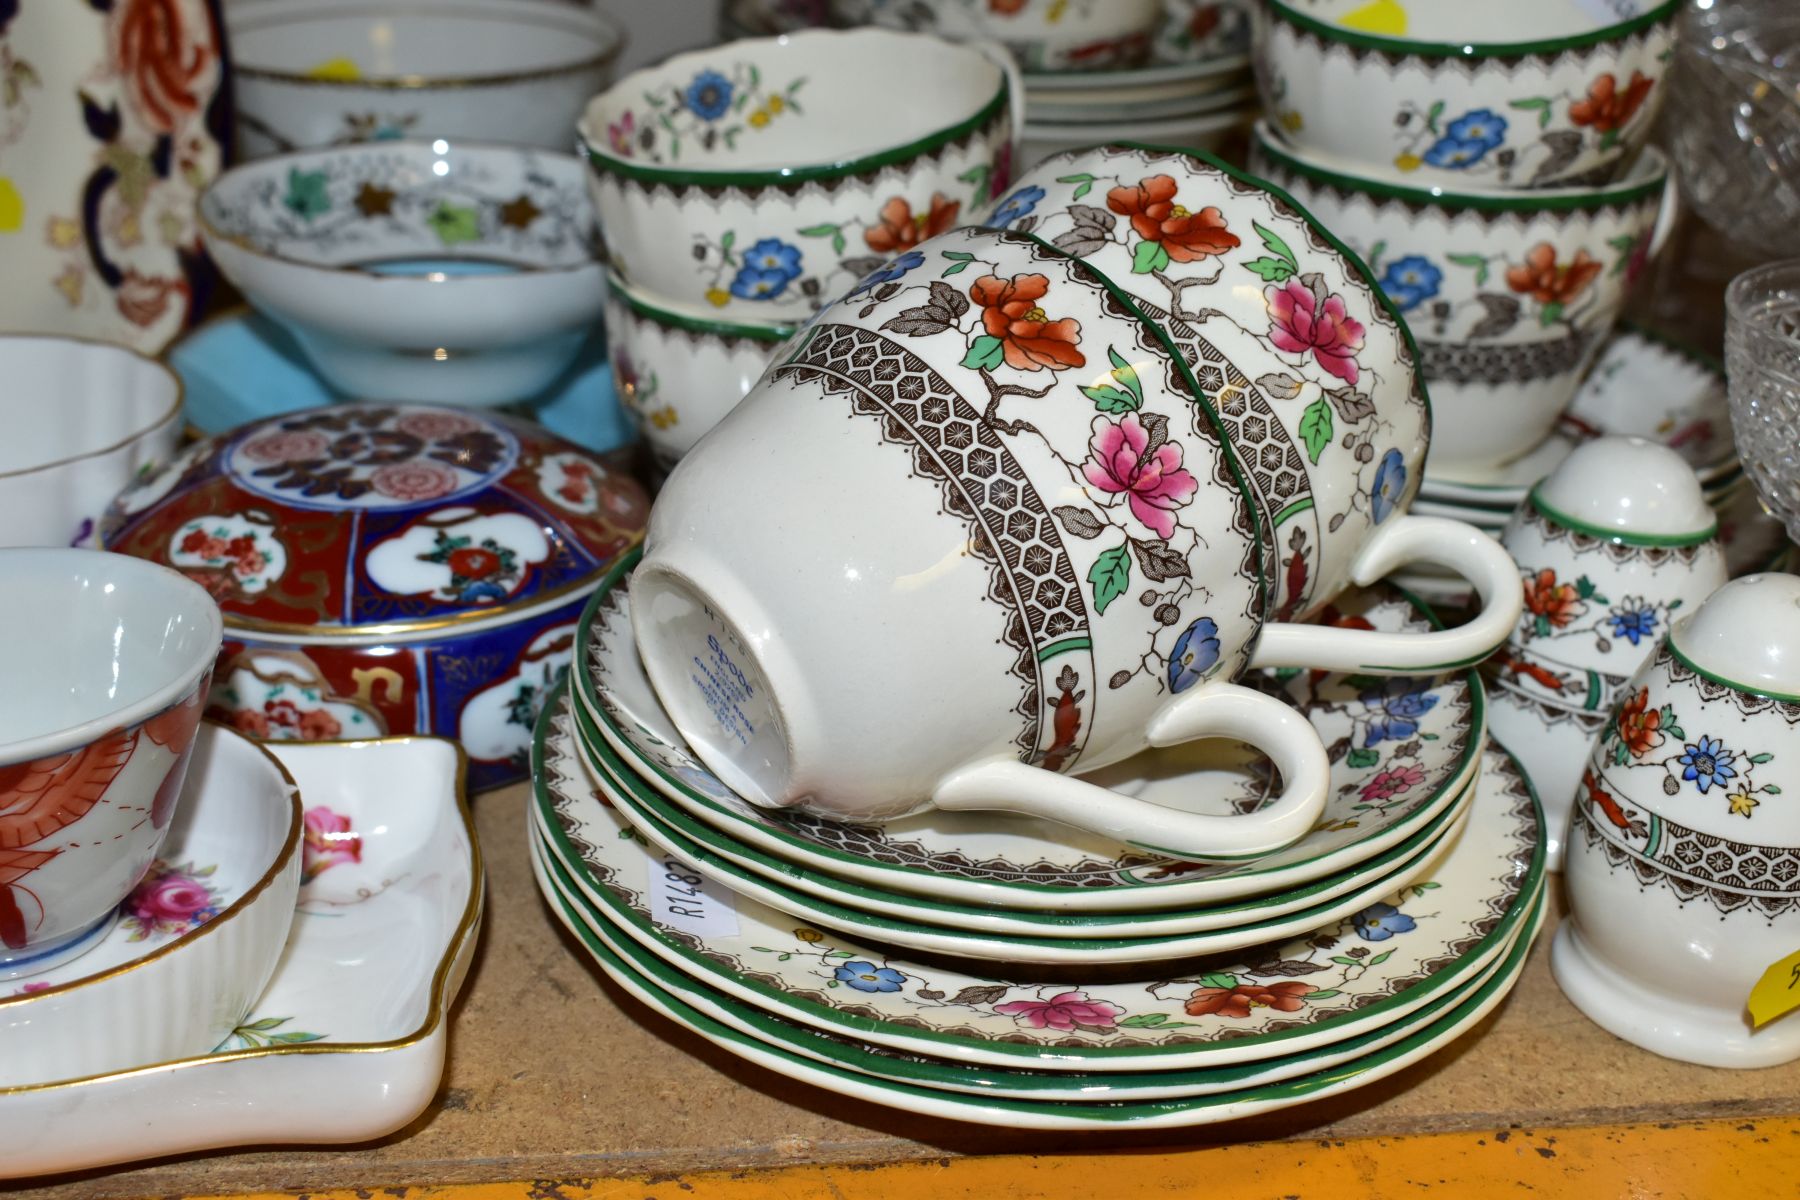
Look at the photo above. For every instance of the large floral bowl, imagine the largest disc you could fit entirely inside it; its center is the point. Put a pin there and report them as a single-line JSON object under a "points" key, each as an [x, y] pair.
{"points": [[321, 74], [1287, 333], [762, 178], [387, 569], [1511, 294], [458, 273], [1532, 93]]}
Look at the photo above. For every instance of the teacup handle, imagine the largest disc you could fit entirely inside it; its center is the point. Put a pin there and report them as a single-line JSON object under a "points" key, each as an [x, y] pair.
{"points": [[1001, 57], [1470, 553], [1217, 709]]}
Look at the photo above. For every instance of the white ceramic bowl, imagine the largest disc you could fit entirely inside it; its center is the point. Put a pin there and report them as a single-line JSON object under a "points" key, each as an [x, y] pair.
{"points": [[765, 177], [82, 419], [318, 74], [180, 993], [1044, 35], [1510, 294], [678, 373], [459, 274], [107, 661], [1447, 93]]}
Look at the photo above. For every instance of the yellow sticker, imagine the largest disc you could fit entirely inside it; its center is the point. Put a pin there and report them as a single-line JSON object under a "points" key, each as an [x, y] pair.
{"points": [[340, 69], [1380, 16], [1777, 992], [12, 207]]}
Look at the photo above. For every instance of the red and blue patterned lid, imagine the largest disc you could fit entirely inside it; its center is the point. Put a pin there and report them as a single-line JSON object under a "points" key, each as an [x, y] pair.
{"points": [[360, 518]]}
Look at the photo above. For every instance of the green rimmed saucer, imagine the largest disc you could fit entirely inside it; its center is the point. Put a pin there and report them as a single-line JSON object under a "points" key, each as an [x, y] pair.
{"points": [[952, 1076], [1356, 975], [744, 868], [1402, 750], [769, 1047], [929, 928]]}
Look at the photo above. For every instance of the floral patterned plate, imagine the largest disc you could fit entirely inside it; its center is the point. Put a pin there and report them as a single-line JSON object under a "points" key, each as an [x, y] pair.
{"points": [[1331, 983], [951, 1076], [934, 925], [928, 928], [1402, 749], [347, 1041]]}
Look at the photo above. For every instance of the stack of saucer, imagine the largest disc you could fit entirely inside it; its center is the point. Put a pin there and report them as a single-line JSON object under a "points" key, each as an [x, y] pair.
{"points": [[1005, 970]]}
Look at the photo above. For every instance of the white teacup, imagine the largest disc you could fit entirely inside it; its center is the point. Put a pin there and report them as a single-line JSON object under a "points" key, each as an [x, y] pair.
{"points": [[969, 534]]}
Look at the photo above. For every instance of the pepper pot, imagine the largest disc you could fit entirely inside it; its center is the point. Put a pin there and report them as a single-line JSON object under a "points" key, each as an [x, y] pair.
{"points": [[1611, 546], [1682, 861]]}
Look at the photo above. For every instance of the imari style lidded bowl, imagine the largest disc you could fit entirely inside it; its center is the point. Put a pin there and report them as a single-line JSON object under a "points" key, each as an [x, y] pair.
{"points": [[387, 569]]}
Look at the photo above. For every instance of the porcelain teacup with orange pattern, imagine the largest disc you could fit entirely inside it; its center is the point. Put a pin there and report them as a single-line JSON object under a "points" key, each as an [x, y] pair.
{"points": [[108, 659]]}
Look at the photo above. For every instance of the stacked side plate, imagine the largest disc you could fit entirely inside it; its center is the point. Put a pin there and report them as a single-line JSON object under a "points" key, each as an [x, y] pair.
{"points": [[1002, 970]]}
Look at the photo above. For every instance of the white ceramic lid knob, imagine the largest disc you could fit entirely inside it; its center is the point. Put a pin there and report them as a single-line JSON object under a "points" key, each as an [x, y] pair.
{"points": [[1626, 486], [1747, 635]]}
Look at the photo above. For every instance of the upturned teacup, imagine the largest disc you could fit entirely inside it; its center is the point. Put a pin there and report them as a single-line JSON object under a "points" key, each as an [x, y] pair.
{"points": [[1510, 293], [761, 178], [1303, 358], [107, 660], [1445, 93], [1043, 35]]}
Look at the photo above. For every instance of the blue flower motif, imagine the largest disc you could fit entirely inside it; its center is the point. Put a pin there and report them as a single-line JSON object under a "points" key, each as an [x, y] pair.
{"points": [[754, 284], [865, 976], [888, 271], [1389, 486], [1633, 624], [1708, 762], [1411, 281], [1379, 922], [1467, 139], [1399, 704], [709, 95], [483, 590], [769, 266], [1196, 650], [1019, 204]]}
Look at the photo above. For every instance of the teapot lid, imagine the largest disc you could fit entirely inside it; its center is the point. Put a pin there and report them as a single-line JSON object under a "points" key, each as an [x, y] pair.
{"points": [[1627, 489], [380, 518], [1746, 635]]}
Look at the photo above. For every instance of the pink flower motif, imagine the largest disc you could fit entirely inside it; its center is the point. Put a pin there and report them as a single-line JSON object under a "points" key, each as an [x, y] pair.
{"points": [[290, 445], [330, 841], [169, 900], [28, 988], [414, 480], [619, 133], [1124, 458], [430, 426], [1065, 1011], [1391, 783], [1303, 316]]}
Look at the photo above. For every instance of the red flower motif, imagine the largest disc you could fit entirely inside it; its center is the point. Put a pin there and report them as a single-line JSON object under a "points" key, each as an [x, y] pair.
{"points": [[416, 480], [318, 724], [291, 445], [195, 540], [900, 230], [1155, 217], [1547, 283], [249, 721], [1393, 782], [474, 562], [168, 68], [430, 426], [142, 299], [1556, 603], [1236, 1002], [1306, 319], [1010, 312], [1605, 108], [1640, 726]]}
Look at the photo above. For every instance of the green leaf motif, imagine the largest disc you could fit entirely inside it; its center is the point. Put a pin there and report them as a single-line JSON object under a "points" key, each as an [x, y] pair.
{"points": [[1343, 960], [1126, 374], [1538, 104], [1111, 399], [1219, 979], [1474, 262], [726, 241], [1324, 994], [1110, 576], [985, 353], [307, 194], [1276, 246], [1316, 427], [1551, 313], [953, 269], [1381, 958], [1086, 181], [958, 255], [453, 224], [1144, 1021], [1431, 117], [1771, 789], [1362, 757], [1148, 257], [1761, 758], [1274, 270]]}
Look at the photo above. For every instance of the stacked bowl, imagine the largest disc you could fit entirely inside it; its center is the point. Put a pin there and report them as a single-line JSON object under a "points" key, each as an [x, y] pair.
{"points": [[919, 793], [1492, 169], [740, 188]]}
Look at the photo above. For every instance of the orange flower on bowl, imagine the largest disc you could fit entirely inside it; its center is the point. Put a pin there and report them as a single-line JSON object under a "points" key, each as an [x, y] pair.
{"points": [[1607, 109], [901, 230], [1183, 236], [1640, 726], [1288, 996], [1553, 604], [1548, 282], [1027, 338]]}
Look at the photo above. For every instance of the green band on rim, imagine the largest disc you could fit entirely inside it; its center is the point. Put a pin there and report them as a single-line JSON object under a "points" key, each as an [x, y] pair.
{"points": [[605, 164], [1753, 689], [1553, 513], [1615, 195], [724, 329], [1472, 50]]}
